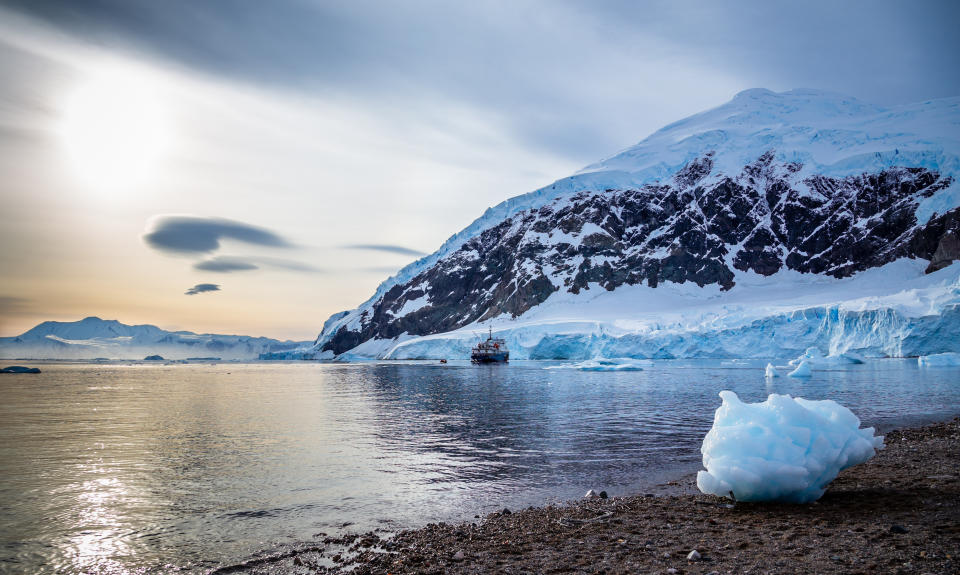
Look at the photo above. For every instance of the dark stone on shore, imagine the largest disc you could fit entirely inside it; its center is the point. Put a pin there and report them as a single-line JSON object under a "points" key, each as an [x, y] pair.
{"points": [[898, 529], [505, 511], [19, 369], [603, 495]]}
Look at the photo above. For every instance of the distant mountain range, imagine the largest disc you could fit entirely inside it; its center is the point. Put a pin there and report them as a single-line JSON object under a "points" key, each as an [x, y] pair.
{"points": [[774, 222], [93, 337]]}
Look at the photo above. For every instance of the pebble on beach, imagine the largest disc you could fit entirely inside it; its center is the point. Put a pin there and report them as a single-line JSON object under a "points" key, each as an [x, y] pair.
{"points": [[693, 555]]}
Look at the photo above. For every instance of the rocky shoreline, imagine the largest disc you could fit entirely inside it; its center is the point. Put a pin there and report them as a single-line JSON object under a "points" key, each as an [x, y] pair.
{"points": [[897, 513]]}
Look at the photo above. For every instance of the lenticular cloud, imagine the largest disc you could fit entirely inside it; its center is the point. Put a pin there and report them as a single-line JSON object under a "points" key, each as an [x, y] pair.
{"points": [[782, 449]]}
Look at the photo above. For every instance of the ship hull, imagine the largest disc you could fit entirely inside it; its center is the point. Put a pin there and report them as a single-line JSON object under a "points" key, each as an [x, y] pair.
{"points": [[490, 357]]}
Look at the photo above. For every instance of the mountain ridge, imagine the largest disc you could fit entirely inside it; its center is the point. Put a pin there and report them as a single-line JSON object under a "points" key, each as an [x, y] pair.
{"points": [[94, 337], [804, 180]]}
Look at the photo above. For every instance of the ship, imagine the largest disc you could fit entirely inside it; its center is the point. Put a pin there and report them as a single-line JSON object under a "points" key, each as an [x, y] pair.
{"points": [[493, 350]]}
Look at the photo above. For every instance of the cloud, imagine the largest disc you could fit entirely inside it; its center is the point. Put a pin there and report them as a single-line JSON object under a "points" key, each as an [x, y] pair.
{"points": [[198, 235], [512, 59], [202, 288], [386, 248], [224, 264], [228, 264]]}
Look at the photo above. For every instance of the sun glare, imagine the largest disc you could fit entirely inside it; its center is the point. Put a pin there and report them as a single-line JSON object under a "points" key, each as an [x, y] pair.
{"points": [[115, 131]]}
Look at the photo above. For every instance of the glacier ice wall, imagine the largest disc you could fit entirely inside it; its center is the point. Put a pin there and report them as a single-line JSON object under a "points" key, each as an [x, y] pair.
{"points": [[881, 332]]}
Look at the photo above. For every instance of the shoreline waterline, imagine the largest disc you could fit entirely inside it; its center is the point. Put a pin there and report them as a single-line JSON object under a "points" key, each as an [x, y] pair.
{"points": [[895, 513]]}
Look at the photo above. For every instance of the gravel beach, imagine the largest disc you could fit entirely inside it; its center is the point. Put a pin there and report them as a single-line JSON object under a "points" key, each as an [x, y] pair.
{"points": [[897, 513]]}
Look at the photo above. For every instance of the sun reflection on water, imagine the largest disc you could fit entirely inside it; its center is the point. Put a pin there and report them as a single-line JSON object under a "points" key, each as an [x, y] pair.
{"points": [[99, 545]]}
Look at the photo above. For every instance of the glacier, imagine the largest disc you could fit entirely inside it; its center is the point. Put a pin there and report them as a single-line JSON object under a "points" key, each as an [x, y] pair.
{"points": [[783, 449], [893, 311]]}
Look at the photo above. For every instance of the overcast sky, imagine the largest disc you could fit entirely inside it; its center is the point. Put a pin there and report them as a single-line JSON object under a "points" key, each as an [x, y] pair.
{"points": [[294, 154]]}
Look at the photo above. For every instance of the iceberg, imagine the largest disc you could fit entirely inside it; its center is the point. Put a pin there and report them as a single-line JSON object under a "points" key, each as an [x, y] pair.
{"points": [[783, 449], [19, 369], [618, 364], [939, 360], [803, 370], [812, 354], [771, 371], [815, 358]]}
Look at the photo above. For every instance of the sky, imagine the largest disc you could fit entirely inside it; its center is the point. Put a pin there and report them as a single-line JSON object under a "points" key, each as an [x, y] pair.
{"points": [[249, 167]]}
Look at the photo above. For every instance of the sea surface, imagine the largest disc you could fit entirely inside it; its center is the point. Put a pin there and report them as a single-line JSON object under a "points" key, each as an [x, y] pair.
{"points": [[151, 468]]}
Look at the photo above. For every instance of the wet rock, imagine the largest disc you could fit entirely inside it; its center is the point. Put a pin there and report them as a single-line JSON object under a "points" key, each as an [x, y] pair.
{"points": [[505, 511], [898, 529], [603, 495]]}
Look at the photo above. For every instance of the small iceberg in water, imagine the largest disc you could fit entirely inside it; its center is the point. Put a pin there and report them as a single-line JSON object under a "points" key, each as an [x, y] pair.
{"points": [[948, 359], [603, 364], [19, 369], [803, 370], [815, 358], [771, 371]]}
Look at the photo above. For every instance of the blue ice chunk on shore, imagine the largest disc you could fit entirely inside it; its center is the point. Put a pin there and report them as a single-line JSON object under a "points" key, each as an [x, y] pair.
{"points": [[783, 449]]}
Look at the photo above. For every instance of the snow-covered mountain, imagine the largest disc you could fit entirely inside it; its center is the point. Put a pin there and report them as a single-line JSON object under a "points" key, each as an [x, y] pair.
{"points": [[94, 337], [772, 223]]}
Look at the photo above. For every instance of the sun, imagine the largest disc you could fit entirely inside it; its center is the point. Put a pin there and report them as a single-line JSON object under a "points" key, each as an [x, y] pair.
{"points": [[115, 131]]}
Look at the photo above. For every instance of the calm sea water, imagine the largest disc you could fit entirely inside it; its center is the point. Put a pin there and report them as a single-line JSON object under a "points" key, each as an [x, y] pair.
{"points": [[148, 468]]}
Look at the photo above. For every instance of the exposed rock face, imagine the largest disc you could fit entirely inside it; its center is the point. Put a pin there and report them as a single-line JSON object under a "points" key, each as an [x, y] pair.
{"points": [[700, 226], [948, 250]]}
